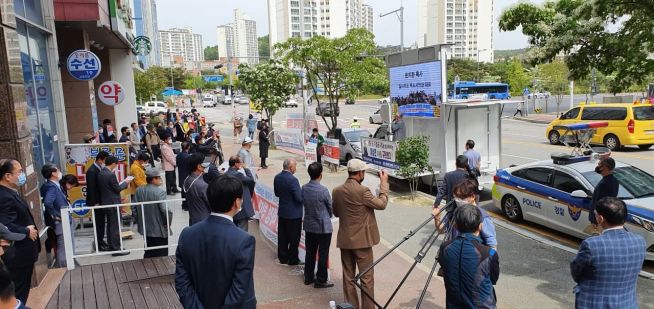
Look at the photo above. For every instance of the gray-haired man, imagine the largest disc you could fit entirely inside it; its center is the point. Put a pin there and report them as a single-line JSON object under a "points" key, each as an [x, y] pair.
{"points": [[289, 226]]}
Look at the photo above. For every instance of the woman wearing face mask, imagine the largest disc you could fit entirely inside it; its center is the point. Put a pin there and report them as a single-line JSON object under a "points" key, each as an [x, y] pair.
{"points": [[466, 193], [168, 164], [15, 215]]}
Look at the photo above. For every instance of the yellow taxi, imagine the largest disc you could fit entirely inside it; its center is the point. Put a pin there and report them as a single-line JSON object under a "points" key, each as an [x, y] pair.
{"points": [[629, 124]]}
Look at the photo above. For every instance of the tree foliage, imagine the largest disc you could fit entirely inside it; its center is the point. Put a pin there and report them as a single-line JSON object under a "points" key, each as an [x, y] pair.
{"points": [[413, 157], [155, 79], [264, 47], [341, 66], [613, 36], [211, 52], [269, 84]]}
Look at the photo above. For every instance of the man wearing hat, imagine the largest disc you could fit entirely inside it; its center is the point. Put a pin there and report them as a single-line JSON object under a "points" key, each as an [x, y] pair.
{"points": [[155, 217], [7, 237], [355, 123], [245, 155], [355, 206]]}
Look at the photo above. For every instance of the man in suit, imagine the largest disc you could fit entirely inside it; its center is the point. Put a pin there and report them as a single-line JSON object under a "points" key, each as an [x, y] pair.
{"points": [[451, 179], [93, 199], [608, 186], [110, 195], [317, 227], [289, 223], [355, 207], [15, 214], [606, 267], [7, 295], [215, 259], [54, 199], [196, 190], [237, 171], [181, 160]]}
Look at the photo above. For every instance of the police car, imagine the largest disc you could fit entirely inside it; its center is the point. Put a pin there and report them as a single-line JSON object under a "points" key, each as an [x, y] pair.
{"points": [[557, 194]]}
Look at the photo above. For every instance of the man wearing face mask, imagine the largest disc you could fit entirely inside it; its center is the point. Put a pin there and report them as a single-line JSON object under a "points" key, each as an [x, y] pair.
{"points": [[110, 195], [155, 218], [196, 189], [237, 171], [608, 186], [15, 214], [54, 199], [355, 205], [93, 199]]}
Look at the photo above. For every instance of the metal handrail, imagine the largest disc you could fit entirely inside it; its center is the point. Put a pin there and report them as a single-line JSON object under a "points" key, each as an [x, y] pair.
{"points": [[67, 232]]}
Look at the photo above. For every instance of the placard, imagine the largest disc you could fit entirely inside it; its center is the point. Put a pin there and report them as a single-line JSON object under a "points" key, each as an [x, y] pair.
{"points": [[332, 150], [310, 153], [379, 152], [290, 141], [295, 121], [83, 65], [79, 157]]}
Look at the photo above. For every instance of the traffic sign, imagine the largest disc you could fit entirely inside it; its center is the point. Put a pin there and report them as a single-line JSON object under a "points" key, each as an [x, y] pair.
{"points": [[111, 93], [83, 65], [142, 45], [526, 91]]}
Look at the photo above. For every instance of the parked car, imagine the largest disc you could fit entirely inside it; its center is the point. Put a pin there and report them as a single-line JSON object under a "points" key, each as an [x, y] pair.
{"points": [[558, 195], [140, 111], [384, 100], [243, 100], [220, 98], [227, 100], [629, 124], [155, 107], [349, 101], [376, 117], [325, 109], [539, 95], [350, 143], [290, 103]]}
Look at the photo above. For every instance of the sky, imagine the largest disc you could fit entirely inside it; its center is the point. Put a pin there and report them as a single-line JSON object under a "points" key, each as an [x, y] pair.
{"points": [[204, 16]]}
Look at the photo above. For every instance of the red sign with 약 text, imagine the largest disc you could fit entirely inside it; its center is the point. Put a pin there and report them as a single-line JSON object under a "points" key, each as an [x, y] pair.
{"points": [[111, 93]]}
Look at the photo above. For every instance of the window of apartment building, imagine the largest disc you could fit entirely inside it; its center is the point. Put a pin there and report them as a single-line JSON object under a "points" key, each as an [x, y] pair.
{"points": [[295, 19], [295, 34], [307, 11], [295, 4], [295, 11], [295, 27], [307, 19]]}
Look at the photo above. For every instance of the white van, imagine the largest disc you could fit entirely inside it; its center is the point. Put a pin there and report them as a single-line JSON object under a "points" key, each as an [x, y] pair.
{"points": [[155, 107]]}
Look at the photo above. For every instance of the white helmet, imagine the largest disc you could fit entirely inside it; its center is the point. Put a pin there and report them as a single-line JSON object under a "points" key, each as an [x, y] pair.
{"points": [[355, 118]]}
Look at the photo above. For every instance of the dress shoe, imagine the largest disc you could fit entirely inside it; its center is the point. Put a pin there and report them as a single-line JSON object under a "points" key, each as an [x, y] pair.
{"points": [[104, 248], [326, 284], [123, 254], [299, 263], [307, 282]]}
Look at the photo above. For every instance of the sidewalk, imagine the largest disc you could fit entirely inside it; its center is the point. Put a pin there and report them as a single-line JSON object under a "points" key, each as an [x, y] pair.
{"points": [[282, 287], [537, 118]]}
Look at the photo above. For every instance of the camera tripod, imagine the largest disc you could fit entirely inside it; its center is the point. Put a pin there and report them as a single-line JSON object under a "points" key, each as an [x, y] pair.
{"points": [[447, 226]]}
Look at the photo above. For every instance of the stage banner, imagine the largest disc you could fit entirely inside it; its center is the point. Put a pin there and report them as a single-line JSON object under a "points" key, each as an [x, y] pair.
{"points": [[290, 141], [310, 153], [380, 153], [332, 152], [79, 157], [266, 205]]}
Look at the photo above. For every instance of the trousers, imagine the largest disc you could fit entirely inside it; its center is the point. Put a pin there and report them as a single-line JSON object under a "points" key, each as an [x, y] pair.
{"points": [[289, 232], [22, 278], [100, 225], [155, 242], [171, 182], [113, 229], [351, 259], [316, 243]]}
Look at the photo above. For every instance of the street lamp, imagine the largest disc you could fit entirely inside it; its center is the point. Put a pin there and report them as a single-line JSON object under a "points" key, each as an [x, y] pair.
{"points": [[400, 15], [479, 51]]}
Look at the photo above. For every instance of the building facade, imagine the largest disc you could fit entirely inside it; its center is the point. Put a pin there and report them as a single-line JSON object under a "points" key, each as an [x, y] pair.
{"points": [[239, 39], [145, 20], [307, 18], [180, 43], [468, 24], [225, 40]]}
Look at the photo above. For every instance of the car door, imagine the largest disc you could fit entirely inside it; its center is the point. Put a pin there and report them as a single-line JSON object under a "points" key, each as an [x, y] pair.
{"points": [[567, 213], [530, 186]]}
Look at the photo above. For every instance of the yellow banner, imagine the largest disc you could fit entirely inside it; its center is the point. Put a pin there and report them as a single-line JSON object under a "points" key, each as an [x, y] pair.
{"points": [[79, 157]]}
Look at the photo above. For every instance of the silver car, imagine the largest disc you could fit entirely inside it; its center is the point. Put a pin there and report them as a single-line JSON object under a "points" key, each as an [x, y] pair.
{"points": [[350, 143]]}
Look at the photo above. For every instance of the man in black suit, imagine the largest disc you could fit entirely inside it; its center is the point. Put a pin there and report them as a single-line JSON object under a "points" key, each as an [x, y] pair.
{"points": [[453, 178], [15, 214], [110, 195], [245, 176], [215, 259], [93, 199]]}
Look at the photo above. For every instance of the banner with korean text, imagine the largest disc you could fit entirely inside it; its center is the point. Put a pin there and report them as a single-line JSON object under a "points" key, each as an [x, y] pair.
{"points": [[310, 153], [290, 141], [295, 121], [332, 150], [79, 157], [380, 153]]}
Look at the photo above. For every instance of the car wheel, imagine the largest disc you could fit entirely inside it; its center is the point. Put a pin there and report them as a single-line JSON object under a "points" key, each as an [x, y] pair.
{"points": [[554, 137], [511, 208], [348, 157], [612, 142], [644, 147]]}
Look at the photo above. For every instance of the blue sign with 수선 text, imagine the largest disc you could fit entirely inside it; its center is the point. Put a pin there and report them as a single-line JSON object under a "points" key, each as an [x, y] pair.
{"points": [[83, 65]]}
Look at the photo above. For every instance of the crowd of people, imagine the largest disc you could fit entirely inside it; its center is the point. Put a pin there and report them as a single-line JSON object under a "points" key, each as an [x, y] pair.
{"points": [[417, 97]]}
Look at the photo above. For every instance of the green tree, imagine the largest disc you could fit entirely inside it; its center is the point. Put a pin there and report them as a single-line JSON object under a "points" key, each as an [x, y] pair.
{"points": [[465, 69], [516, 76], [211, 52], [339, 66], [264, 47], [268, 84], [613, 36], [554, 77], [413, 157], [165, 74]]}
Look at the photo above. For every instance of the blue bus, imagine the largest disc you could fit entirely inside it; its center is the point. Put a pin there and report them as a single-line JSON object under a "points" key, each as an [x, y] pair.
{"points": [[467, 90]]}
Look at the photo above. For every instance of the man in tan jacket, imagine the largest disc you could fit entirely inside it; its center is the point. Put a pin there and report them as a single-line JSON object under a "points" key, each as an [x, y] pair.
{"points": [[355, 206]]}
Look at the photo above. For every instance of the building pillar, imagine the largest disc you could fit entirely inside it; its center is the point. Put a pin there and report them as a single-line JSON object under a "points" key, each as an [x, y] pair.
{"points": [[79, 96], [15, 137], [122, 71]]}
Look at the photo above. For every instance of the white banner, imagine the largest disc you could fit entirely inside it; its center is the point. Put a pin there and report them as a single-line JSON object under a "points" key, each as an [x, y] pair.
{"points": [[290, 141], [379, 152], [310, 153]]}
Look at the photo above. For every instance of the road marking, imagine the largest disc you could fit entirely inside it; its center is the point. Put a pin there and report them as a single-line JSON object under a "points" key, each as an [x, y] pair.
{"points": [[521, 157]]}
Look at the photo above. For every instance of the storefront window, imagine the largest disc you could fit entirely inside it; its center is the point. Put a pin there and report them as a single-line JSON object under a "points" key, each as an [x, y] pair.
{"points": [[30, 10], [38, 91]]}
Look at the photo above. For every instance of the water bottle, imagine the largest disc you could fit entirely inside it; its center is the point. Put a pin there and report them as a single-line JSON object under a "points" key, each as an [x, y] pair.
{"points": [[332, 304]]}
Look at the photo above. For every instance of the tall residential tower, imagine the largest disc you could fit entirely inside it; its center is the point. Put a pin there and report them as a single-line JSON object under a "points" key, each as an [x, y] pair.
{"points": [[180, 44]]}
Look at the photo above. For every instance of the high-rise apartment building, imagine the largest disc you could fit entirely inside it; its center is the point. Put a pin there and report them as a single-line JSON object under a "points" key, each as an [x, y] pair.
{"points": [[468, 24], [145, 20], [180, 44], [239, 39], [307, 18]]}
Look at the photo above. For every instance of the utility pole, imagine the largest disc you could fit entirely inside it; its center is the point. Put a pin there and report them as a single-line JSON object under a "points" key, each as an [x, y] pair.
{"points": [[572, 94], [400, 15]]}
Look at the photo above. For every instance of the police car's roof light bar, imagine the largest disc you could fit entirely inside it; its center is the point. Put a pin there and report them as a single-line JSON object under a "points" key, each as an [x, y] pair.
{"points": [[579, 135]]}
